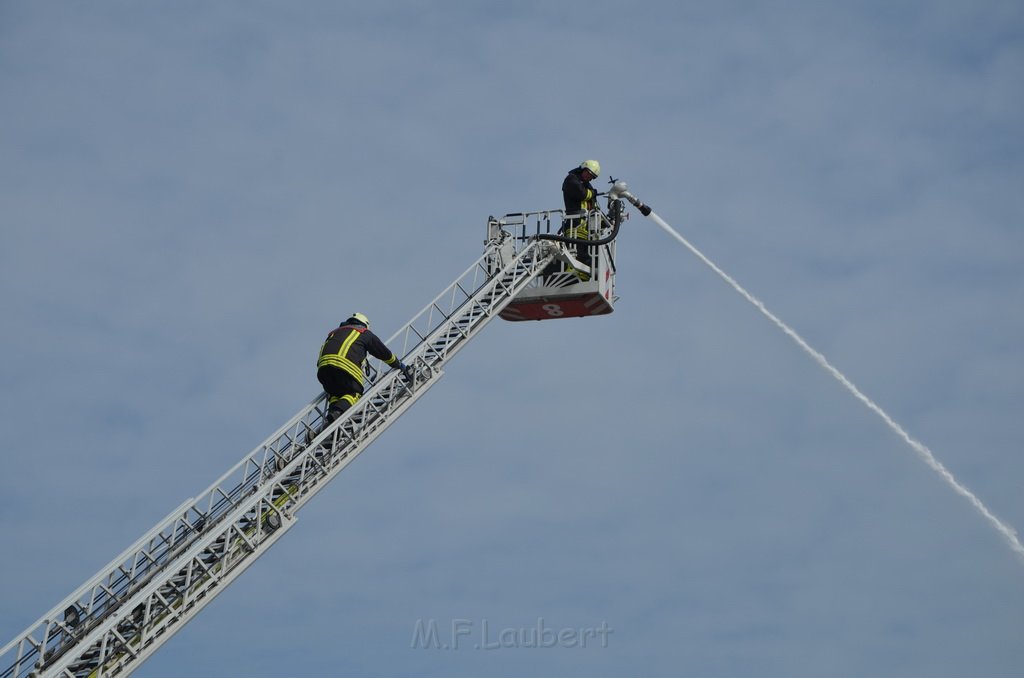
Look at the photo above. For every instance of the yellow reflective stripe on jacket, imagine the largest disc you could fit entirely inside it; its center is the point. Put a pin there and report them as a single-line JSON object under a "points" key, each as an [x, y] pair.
{"points": [[339, 360], [589, 202], [343, 363], [346, 345]]}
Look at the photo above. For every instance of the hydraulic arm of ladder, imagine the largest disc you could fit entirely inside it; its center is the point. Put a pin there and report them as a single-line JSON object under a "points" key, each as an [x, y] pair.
{"points": [[117, 619]]}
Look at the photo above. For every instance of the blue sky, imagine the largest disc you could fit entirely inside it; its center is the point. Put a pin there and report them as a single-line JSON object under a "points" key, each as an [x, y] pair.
{"points": [[192, 194]]}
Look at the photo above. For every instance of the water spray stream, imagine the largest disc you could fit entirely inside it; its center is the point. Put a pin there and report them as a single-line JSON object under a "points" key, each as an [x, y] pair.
{"points": [[1007, 532]]}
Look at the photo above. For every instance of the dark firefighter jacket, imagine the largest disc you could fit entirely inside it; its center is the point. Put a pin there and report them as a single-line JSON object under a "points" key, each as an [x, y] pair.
{"points": [[346, 348], [579, 196]]}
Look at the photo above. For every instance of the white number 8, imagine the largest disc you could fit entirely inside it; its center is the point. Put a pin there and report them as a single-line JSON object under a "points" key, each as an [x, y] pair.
{"points": [[553, 310]]}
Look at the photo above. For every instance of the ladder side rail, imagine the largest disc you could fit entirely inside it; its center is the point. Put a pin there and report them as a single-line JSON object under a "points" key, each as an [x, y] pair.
{"points": [[112, 640], [166, 599], [400, 397], [103, 593], [475, 312], [116, 580], [426, 320], [290, 429], [198, 570], [113, 647], [85, 598], [417, 347], [99, 595]]}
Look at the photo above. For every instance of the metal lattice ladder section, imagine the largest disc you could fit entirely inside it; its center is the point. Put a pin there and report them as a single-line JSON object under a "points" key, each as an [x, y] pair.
{"points": [[117, 619]]}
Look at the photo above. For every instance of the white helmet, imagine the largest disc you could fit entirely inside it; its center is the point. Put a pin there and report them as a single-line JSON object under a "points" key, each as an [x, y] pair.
{"points": [[359, 317], [592, 165]]}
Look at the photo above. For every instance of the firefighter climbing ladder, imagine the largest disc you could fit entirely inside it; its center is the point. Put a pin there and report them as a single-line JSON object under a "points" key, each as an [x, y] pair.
{"points": [[121, 616]]}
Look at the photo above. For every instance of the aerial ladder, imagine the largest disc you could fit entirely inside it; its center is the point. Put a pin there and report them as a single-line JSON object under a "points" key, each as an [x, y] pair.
{"points": [[112, 623]]}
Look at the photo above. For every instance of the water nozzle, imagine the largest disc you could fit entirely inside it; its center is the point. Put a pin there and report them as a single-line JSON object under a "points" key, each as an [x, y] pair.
{"points": [[618, 190]]}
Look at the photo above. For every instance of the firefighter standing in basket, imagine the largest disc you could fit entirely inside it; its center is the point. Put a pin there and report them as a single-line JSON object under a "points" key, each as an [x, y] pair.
{"points": [[580, 197]]}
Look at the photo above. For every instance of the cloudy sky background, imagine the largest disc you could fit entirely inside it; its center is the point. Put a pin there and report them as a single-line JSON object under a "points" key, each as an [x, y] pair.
{"points": [[193, 193]]}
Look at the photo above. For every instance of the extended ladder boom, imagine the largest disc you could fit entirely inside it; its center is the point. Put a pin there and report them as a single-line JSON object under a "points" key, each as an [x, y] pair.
{"points": [[117, 619]]}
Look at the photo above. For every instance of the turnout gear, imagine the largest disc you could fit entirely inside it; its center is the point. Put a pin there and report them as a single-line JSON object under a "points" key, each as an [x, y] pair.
{"points": [[580, 197], [347, 347], [342, 359]]}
